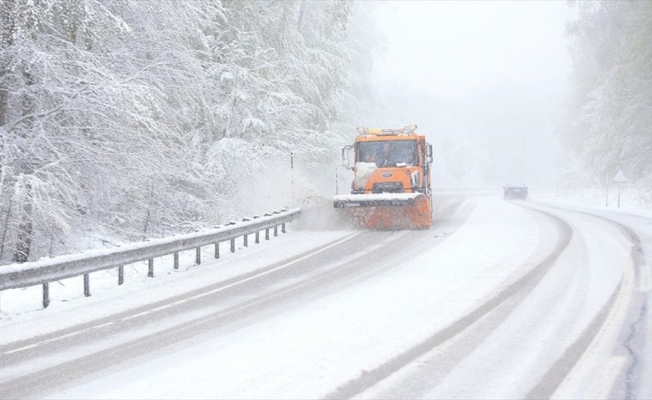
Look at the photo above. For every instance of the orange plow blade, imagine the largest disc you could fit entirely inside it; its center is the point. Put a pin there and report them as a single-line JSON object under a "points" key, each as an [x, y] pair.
{"points": [[415, 215]]}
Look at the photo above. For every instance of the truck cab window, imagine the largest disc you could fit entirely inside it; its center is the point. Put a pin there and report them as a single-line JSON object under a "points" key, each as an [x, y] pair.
{"points": [[389, 153]]}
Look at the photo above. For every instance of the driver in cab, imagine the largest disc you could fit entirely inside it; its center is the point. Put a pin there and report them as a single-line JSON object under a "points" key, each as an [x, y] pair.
{"points": [[381, 158]]}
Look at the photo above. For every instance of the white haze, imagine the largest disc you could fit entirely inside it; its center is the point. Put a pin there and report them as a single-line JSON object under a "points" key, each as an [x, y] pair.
{"points": [[486, 81]]}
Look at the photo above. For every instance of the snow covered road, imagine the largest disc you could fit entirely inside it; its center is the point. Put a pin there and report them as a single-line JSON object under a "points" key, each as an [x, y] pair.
{"points": [[498, 300]]}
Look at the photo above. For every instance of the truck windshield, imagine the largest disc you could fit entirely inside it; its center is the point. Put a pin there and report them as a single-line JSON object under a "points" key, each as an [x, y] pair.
{"points": [[388, 153]]}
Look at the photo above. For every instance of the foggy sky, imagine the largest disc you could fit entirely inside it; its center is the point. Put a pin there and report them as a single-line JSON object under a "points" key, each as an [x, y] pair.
{"points": [[486, 81]]}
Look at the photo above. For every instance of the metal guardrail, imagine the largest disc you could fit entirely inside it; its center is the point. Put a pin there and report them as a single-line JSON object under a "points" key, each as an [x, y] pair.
{"points": [[50, 270]]}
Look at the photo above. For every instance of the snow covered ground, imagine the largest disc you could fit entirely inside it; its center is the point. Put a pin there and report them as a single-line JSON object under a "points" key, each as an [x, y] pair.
{"points": [[485, 305], [308, 351], [22, 315]]}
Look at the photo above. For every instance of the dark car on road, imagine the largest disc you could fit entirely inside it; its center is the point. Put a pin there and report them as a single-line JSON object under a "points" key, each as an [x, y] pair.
{"points": [[515, 192]]}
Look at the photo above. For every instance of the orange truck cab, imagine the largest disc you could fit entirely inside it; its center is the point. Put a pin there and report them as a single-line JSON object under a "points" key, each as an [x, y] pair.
{"points": [[391, 186]]}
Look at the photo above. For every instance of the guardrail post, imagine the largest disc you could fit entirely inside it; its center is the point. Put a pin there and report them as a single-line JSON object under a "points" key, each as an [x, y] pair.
{"points": [[46, 295], [198, 255], [257, 232], [283, 227], [266, 233], [232, 245], [276, 230], [217, 250], [87, 285], [121, 275], [150, 268], [245, 238], [176, 260]]}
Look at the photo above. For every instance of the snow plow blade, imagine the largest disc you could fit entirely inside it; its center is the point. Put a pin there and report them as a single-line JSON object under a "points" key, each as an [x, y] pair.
{"points": [[376, 200], [387, 211]]}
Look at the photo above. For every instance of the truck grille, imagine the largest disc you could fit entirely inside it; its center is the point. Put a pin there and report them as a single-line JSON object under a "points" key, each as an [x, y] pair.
{"points": [[387, 187]]}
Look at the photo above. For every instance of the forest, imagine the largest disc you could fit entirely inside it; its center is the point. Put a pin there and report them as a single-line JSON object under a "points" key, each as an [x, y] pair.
{"points": [[610, 110], [141, 118]]}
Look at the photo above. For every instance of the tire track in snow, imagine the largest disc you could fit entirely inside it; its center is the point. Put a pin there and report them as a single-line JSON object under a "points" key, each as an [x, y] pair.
{"points": [[616, 308], [522, 287]]}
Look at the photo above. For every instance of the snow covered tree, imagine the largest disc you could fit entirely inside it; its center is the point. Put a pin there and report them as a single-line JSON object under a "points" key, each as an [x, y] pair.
{"points": [[611, 119], [147, 117]]}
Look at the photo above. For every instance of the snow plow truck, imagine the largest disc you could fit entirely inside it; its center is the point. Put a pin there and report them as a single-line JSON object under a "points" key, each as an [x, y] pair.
{"points": [[391, 184]]}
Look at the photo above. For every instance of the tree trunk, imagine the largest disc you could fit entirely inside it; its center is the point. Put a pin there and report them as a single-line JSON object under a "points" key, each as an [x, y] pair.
{"points": [[4, 229], [8, 24], [149, 211], [301, 14], [24, 238]]}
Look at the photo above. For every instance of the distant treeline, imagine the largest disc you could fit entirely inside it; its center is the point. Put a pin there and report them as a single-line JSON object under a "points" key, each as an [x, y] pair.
{"points": [[149, 116], [610, 125]]}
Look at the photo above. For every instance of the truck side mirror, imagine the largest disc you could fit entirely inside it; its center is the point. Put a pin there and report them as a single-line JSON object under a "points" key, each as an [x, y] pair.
{"points": [[429, 153], [347, 157]]}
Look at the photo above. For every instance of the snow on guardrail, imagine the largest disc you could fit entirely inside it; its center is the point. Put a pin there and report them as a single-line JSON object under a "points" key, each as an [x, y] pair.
{"points": [[49, 270]]}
